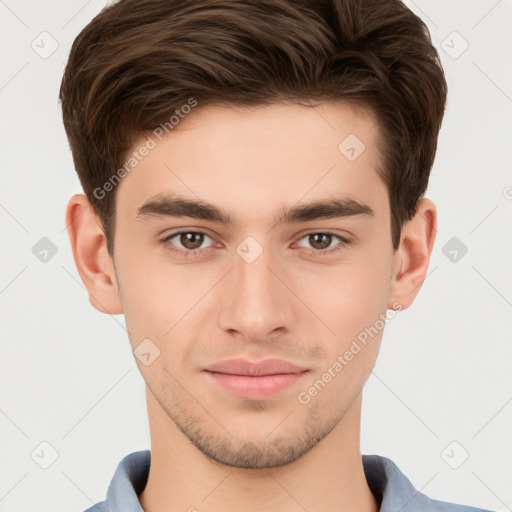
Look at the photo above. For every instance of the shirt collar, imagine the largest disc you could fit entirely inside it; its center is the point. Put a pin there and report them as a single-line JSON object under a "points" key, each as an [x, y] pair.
{"points": [[129, 480], [390, 486]]}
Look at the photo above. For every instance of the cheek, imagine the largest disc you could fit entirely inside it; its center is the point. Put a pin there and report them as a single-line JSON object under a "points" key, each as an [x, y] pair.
{"points": [[165, 302], [354, 306], [350, 296]]}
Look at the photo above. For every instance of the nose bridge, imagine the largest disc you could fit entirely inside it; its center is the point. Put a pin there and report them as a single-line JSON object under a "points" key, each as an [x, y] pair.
{"points": [[255, 302]]}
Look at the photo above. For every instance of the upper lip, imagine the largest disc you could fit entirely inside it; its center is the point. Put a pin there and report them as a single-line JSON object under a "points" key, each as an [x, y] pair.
{"points": [[260, 368]]}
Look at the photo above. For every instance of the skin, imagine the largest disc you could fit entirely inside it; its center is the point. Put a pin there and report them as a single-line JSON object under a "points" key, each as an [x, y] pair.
{"points": [[210, 449]]}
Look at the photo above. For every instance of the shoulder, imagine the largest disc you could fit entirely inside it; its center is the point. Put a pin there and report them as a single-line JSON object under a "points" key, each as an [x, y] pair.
{"points": [[99, 507], [128, 481], [444, 506], [395, 491]]}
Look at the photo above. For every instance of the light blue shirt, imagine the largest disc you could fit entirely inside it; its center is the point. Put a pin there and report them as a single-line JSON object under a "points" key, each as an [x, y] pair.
{"points": [[389, 485]]}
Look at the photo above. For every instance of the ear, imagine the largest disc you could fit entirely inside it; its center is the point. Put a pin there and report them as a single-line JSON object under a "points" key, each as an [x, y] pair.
{"points": [[92, 260], [412, 256]]}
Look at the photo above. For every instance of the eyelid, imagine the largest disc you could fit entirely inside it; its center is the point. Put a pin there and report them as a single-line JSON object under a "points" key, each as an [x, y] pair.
{"points": [[345, 235]]}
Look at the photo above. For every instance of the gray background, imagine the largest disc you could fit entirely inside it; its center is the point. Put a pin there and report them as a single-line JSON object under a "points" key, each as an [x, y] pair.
{"points": [[441, 389]]}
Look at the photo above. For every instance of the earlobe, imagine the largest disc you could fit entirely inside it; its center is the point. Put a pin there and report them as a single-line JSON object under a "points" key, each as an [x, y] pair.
{"points": [[93, 263], [413, 255]]}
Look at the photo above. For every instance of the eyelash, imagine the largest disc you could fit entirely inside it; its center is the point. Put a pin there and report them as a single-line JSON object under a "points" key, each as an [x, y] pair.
{"points": [[344, 242]]}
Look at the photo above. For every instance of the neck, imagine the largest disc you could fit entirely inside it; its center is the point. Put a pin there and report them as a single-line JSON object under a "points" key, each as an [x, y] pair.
{"points": [[328, 477]]}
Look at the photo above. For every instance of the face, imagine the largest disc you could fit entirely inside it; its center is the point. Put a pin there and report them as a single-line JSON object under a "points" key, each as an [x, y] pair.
{"points": [[279, 281]]}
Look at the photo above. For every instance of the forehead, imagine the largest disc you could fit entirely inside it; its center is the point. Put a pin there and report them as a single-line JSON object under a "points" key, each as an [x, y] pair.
{"points": [[257, 159]]}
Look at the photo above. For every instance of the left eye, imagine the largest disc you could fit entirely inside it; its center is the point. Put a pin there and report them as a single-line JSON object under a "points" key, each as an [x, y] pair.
{"points": [[321, 241]]}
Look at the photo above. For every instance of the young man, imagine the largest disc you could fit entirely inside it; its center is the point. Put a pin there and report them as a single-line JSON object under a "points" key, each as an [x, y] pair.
{"points": [[256, 174]]}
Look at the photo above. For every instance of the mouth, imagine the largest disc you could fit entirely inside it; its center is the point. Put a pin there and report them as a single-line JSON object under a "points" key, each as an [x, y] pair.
{"points": [[255, 380]]}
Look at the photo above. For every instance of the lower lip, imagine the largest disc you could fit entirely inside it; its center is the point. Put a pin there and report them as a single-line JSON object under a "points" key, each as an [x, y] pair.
{"points": [[256, 388]]}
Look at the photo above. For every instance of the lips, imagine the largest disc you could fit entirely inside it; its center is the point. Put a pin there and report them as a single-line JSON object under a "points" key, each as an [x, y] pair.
{"points": [[265, 367], [255, 380]]}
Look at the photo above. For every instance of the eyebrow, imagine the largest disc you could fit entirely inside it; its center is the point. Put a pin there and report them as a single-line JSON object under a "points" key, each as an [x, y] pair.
{"points": [[176, 206]]}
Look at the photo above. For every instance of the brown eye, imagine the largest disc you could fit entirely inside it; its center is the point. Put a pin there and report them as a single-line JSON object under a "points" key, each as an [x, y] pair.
{"points": [[191, 240], [320, 241], [186, 243]]}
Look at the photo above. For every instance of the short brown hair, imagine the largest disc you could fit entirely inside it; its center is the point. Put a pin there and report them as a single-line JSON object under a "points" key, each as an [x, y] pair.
{"points": [[138, 61]]}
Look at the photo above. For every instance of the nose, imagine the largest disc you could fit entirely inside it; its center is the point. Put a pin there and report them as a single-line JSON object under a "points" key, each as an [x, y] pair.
{"points": [[256, 302]]}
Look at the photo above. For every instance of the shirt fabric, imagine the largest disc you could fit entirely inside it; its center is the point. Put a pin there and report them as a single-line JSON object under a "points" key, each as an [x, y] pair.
{"points": [[389, 485]]}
